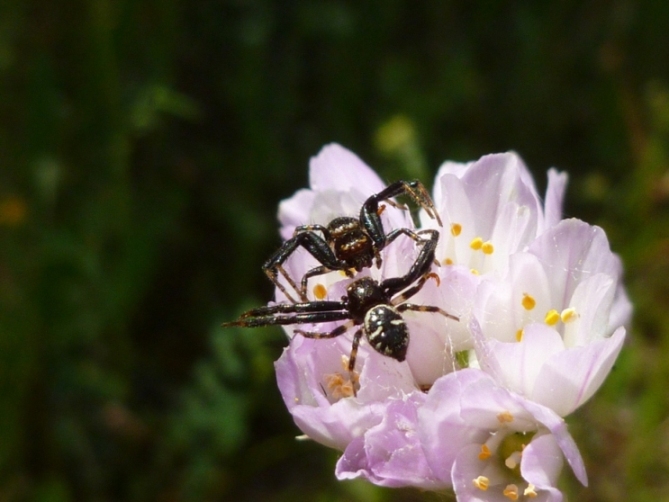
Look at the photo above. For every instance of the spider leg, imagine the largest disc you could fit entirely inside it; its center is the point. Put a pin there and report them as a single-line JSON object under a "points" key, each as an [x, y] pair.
{"points": [[295, 308], [415, 289], [339, 330], [316, 245], [369, 213], [312, 273], [352, 358], [253, 321], [419, 268], [425, 308]]}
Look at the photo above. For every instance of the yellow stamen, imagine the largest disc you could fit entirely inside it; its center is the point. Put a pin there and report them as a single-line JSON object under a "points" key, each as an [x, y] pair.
{"points": [[476, 243], [511, 492], [512, 460], [456, 228], [474, 271], [447, 261], [505, 417], [487, 247], [552, 317], [320, 292], [528, 301], [530, 491], [485, 452], [519, 335], [568, 315], [482, 483]]}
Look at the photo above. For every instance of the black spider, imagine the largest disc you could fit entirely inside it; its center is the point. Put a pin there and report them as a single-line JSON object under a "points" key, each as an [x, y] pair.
{"points": [[347, 244], [373, 305]]}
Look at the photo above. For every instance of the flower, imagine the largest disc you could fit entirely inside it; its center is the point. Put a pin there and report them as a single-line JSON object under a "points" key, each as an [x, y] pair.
{"points": [[492, 444], [478, 404], [551, 330]]}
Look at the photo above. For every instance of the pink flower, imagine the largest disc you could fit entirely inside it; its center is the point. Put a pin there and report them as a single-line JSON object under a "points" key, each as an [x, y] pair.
{"points": [[477, 404], [492, 444], [551, 330]]}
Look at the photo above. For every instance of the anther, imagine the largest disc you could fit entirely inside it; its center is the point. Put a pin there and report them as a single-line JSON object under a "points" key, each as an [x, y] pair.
{"points": [[568, 315], [476, 243], [487, 247], [456, 228], [511, 492], [474, 271], [485, 452], [482, 483], [505, 417], [447, 261], [530, 491], [552, 317], [512, 460], [320, 291], [519, 335], [528, 301]]}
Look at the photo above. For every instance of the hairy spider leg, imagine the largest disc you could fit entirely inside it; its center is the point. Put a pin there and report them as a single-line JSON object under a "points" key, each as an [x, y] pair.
{"points": [[369, 211], [294, 308], [419, 267], [274, 320], [316, 245], [425, 308]]}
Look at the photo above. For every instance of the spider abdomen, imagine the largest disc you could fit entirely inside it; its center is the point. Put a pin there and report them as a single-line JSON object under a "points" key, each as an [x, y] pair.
{"points": [[387, 332]]}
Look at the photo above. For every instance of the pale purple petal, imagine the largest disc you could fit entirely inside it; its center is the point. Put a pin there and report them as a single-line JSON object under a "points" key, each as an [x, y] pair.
{"points": [[557, 184], [336, 168], [390, 453], [295, 211], [467, 467], [572, 251], [442, 431], [519, 364], [542, 461], [558, 428], [571, 377]]}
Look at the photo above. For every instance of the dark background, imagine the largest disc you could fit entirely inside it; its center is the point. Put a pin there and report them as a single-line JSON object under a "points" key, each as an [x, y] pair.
{"points": [[144, 146]]}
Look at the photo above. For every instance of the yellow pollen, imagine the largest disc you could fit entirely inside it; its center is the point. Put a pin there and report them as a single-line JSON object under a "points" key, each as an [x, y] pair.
{"points": [[456, 228], [552, 317], [482, 483], [519, 335], [568, 315], [487, 248], [530, 491], [343, 273], [511, 492], [447, 261], [476, 243], [528, 301], [505, 417], [485, 452], [320, 292], [474, 271]]}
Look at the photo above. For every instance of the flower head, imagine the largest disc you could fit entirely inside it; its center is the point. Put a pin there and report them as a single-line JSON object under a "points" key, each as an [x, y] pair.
{"points": [[478, 403]]}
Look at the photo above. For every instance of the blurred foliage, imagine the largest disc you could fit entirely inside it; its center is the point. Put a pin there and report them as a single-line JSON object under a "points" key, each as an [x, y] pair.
{"points": [[144, 146]]}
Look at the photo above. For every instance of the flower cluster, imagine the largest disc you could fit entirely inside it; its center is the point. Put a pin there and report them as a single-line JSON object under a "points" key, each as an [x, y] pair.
{"points": [[479, 404]]}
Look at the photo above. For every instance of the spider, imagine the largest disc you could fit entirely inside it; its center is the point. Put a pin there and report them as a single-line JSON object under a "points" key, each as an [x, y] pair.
{"points": [[375, 306], [346, 243]]}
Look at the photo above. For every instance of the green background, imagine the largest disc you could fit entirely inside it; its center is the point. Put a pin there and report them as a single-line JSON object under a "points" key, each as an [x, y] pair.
{"points": [[144, 146]]}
